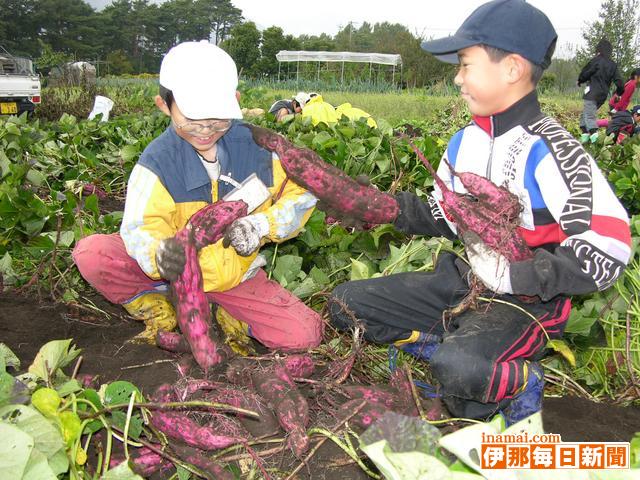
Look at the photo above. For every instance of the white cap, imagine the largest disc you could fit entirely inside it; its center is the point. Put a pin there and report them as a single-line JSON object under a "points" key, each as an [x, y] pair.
{"points": [[203, 79], [302, 98]]}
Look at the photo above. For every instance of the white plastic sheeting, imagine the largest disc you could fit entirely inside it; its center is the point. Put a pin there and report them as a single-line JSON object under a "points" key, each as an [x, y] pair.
{"points": [[308, 56]]}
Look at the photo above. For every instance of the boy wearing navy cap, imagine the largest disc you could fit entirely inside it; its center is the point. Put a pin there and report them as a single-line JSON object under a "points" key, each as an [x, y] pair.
{"points": [[486, 359]]}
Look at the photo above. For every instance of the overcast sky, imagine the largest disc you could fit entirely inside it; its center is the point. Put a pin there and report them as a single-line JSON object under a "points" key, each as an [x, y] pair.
{"points": [[431, 18], [434, 18]]}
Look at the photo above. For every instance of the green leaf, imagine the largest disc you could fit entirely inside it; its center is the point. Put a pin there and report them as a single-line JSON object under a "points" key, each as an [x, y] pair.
{"points": [[45, 435], [6, 388], [135, 424], [38, 467], [129, 152], [379, 231], [121, 472], [287, 269], [52, 356], [359, 270], [7, 357], [8, 274], [404, 448], [12, 128], [319, 276], [347, 132], [563, 349], [33, 226], [383, 164], [307, 288], [92, 396], [5, 164], [71, 426], [119, 392], [579, 324], [15, 450], [183, 473], [35, 177], [69, 387], [47, 401], [91, 204], [635, 451]]}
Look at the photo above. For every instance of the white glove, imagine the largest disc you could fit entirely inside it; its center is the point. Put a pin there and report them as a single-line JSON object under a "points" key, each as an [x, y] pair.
{"points": [[245, 233], [488, 265]]}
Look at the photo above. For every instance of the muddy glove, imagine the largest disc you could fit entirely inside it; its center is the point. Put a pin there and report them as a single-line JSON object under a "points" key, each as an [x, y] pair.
{"points": [[170, 258], [487, 264], [245, 233]]}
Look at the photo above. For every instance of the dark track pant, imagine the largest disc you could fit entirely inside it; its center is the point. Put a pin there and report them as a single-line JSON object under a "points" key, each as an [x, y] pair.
{"points": [[480, 363]]}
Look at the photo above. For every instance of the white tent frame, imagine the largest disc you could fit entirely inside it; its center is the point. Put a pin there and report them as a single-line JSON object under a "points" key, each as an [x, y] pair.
{"points": [[342, 57]]}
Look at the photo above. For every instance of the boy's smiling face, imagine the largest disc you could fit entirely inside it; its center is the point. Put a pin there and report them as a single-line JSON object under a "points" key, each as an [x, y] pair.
{"points": [[203, 141], [490, 86]]}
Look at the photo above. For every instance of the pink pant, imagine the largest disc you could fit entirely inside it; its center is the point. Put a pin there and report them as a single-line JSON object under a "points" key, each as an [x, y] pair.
{"points": [[276, 317]]}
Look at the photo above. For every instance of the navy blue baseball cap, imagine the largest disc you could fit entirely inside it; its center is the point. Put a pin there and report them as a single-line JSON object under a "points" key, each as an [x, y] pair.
{"points": [[510, 25]]}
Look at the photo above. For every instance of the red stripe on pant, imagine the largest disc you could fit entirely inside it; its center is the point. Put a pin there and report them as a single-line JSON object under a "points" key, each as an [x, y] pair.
{"points": [[530, 342], [277, 318]]}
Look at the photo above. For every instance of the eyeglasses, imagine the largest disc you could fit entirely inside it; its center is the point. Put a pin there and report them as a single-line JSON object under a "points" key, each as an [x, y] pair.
{"points": [[198, 127]]}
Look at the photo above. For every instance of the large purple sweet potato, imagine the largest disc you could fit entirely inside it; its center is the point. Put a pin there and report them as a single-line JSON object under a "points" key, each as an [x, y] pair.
{"points": [[179, 426], [299, 365], [210, 222], [278, 388], [192, 306], [172, 342], [329, 184], [492, 212], [193, 311]]}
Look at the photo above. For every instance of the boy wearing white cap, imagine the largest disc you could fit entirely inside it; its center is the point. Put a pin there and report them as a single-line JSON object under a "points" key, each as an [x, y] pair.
{"points": [[204, 155]]}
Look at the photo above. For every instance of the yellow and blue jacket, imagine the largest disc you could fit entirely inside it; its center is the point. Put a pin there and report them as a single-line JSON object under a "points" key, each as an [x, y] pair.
{"points": [[169, 184], [320, 111]]}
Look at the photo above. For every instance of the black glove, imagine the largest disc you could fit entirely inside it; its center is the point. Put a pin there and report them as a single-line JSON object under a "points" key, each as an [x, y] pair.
{"points": [[170, 259]]}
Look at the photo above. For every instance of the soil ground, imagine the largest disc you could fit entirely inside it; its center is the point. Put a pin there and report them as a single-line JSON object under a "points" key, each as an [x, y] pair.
{"points": [[26, 324]]}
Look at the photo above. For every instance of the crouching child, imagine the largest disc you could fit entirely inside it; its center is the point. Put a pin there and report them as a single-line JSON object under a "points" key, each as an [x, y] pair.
{"points": [[486, 359]]}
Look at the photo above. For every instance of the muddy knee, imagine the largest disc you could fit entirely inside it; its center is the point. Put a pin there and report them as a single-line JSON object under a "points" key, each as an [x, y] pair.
{"points": [[460, 371]]}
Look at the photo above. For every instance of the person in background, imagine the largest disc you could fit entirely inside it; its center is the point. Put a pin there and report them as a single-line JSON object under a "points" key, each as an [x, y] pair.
{"points": [[623, 124], [599, 73], [618, 103], [282, 108]]}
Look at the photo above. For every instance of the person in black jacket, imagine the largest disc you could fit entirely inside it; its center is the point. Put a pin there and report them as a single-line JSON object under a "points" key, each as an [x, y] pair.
{"points": [[624, 124], [598, 73]]}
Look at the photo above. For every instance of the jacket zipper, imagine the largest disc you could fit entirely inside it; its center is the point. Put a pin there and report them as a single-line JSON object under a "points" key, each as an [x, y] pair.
{"points": [[489, 164]]}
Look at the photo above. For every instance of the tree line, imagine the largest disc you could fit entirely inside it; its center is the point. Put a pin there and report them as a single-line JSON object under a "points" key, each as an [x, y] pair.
{"points": [[131, 36]]}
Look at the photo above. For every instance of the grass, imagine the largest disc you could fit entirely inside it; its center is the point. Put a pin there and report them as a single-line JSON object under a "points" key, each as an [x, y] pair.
{"points": [[394, 107], [415, 105]]}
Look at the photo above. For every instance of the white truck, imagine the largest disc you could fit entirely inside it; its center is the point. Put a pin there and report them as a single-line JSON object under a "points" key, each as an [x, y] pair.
{"points": [[19, 85]]}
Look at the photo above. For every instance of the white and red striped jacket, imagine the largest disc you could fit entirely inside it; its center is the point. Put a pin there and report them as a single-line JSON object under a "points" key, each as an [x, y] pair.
{"points": [[571, 217]]}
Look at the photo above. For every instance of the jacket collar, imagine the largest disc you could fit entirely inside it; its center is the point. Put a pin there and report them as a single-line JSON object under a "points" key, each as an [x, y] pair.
{"points": [[520, 112], [195, 174]]}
